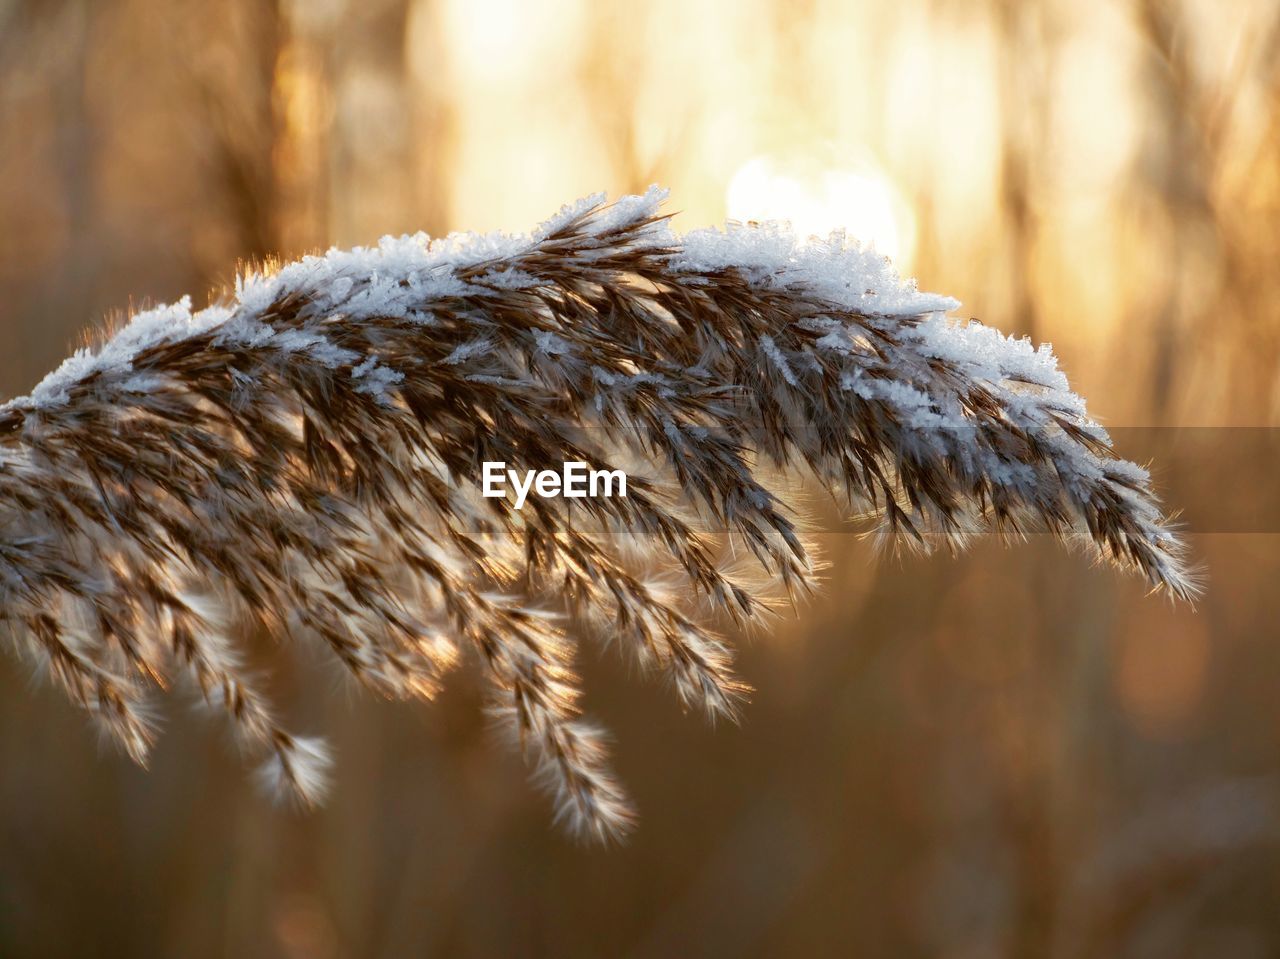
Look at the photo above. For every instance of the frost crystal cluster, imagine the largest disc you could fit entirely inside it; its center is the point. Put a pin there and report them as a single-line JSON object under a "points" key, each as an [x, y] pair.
{"points": [[305, 458]]}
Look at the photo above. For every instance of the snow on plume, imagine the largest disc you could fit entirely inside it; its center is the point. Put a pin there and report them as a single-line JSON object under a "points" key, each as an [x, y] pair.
{"points": [[395, 277]]}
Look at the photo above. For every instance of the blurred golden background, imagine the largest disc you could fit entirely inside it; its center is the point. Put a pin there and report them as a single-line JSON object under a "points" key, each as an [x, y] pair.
{"points": [[1002, 754]]}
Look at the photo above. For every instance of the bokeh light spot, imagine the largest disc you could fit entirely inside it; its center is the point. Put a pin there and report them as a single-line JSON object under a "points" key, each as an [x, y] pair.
{"points": [[860, 200]]}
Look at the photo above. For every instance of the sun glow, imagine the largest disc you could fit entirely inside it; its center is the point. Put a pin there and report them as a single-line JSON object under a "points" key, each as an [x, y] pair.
{"points": [[860, 200]]}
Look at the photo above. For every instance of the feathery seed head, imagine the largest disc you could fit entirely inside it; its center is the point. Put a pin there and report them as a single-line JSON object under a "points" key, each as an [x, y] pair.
{"points": [[308, 453]]}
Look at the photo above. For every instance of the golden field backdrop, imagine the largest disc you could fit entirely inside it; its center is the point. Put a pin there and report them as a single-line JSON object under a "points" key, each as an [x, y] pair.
{"points": [[1002, 754]]}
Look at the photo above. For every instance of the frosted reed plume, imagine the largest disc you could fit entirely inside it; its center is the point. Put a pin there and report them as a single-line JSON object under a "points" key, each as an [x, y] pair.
{"points": [[306, 456]]}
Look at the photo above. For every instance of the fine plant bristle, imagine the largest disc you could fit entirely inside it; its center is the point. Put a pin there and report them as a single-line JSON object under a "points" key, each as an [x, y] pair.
{"points": [[307, 454]]}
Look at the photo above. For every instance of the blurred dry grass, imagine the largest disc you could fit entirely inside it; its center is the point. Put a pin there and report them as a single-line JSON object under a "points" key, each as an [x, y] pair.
{"points": [[1002, 754]]}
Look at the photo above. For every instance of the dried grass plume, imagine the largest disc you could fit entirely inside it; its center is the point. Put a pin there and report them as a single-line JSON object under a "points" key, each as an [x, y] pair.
{"points": [[306, 456]]}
